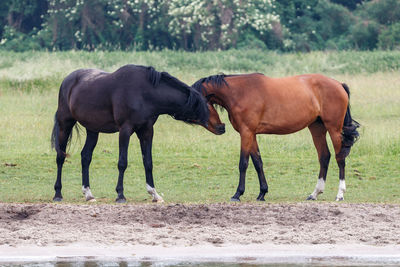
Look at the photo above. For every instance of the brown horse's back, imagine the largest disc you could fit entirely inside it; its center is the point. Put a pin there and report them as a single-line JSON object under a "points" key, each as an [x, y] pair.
{"points": [[285, 105]]}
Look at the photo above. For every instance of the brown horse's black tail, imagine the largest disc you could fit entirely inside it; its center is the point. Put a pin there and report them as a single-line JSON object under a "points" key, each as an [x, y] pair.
{"points": [[349, 131]]}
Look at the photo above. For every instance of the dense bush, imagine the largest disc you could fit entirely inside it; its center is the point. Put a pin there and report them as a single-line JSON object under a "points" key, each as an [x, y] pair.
{"points": [[364, 35], [195, 25], [390, 37], [384, 12]]}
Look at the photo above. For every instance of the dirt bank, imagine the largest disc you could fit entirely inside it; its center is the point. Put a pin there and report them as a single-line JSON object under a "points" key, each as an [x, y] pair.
{"points": [[169, 225]]}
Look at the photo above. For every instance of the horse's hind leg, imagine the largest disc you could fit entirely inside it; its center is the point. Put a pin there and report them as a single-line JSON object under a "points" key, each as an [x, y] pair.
{"points": [[341, 154], [258, 165], [63, 130], [86, 158], [318, 132]]}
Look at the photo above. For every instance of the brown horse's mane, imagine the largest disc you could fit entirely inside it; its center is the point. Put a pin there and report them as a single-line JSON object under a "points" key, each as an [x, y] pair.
{"points": [[215, 80]]}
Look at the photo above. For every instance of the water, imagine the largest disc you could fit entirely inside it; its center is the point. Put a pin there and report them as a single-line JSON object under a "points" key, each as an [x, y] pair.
{"points": [[181, 264]]}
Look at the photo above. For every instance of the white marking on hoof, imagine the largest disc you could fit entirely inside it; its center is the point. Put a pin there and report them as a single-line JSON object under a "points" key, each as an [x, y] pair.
{"points": [[319, 189], [152, 191], [342, 189], [88, 194]]}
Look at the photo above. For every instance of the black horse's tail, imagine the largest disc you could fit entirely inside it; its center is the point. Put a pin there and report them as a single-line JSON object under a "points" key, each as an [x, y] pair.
{"points": [[54, 137], [54, 134], [349, 131]]}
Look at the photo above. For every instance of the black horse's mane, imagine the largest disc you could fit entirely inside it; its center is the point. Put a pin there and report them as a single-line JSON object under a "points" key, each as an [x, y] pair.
{"points": [[194, 102], [156, 77]]}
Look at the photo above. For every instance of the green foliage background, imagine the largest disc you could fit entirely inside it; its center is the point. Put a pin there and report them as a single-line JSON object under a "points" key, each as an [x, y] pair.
{"points": [[198, 25]]}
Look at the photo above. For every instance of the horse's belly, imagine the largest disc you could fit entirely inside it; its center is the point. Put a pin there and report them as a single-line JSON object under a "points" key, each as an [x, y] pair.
{"points": [[278, 129], [290, 115], [96, 121], [286, 125], [104, 128]]}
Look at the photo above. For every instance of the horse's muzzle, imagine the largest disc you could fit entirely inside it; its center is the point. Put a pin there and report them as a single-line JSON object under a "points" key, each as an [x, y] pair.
{"points": [[220, 129]]}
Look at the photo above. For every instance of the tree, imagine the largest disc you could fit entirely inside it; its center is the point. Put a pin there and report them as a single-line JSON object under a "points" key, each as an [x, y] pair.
{"points": [[364, 35], [350, 4], [385, 12], [390, 37], [25, 15]]}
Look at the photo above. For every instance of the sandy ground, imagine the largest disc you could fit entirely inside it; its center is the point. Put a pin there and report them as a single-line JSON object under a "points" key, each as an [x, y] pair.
{"points": [[249, 232]]}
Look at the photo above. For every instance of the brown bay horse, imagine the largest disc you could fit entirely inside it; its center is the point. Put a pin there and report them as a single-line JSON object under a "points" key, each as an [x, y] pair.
{"points": [[258, 104], [127, 101]]}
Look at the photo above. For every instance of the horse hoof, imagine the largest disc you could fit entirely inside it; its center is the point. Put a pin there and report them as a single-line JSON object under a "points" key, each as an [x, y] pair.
{"points": [[90, 199], [261, 197], [310, 197], [233, 199], [120, 200], [158, 200], [57, 199], [339, 199]]}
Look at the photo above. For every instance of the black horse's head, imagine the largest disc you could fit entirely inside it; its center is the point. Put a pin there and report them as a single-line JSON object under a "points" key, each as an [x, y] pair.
{"points": [[194, 110]]}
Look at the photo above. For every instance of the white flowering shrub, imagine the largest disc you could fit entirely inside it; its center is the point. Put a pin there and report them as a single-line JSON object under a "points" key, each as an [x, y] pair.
{"points": [[218, 23]]}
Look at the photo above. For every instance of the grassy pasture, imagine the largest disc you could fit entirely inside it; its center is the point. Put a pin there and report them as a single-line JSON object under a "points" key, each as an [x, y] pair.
{"points": [[191, 164]]}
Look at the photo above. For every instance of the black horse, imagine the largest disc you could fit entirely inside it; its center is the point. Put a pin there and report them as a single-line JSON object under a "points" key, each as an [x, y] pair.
{"points": [[127, 101]]}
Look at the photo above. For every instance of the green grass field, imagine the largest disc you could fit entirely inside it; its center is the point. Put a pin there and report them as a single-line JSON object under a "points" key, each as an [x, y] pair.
{"points": [[191, 164]]}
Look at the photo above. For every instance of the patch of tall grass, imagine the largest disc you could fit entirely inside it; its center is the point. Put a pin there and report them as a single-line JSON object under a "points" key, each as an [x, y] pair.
{"points": [[53, 66]]}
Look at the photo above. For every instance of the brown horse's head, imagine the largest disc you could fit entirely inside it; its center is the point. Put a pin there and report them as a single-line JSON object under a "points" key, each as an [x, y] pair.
{"points": [[214, 122], [203, 86]]}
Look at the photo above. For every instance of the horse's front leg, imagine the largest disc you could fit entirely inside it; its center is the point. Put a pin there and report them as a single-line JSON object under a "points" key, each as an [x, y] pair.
{"points": [[145, 136], [124, 136], [247, 140], [86, 158]]}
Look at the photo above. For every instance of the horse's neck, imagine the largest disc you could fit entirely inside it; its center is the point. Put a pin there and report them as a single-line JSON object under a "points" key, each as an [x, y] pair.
{"points": [[222, 97], [169, 99]]}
